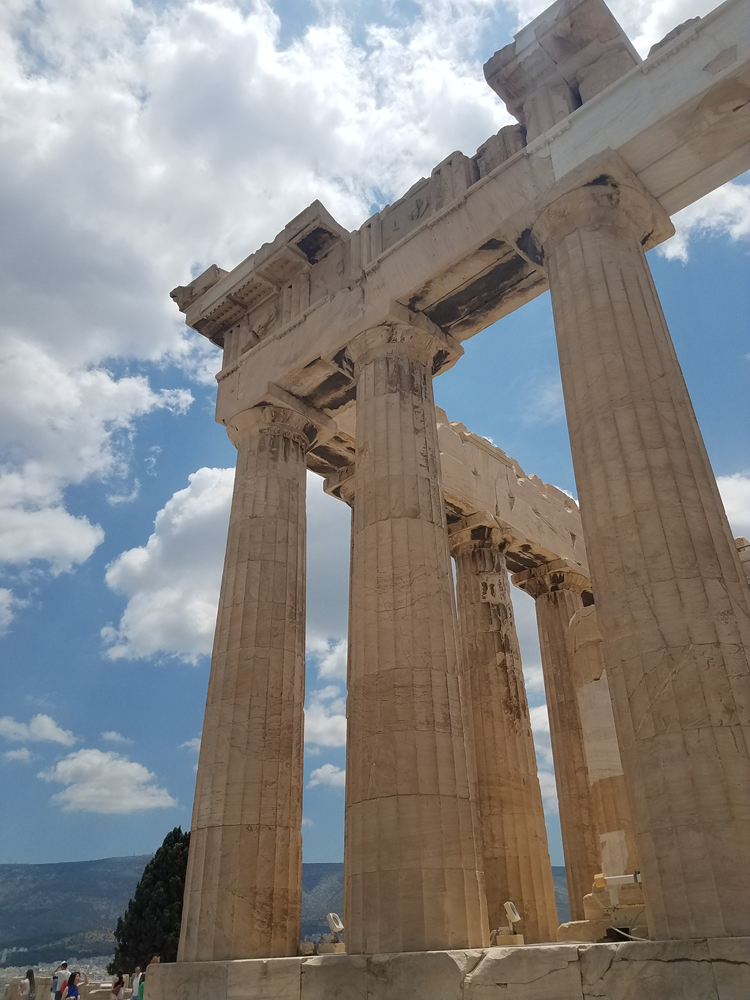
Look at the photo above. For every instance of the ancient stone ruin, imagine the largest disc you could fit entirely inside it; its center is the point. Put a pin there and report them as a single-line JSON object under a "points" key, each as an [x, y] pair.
{"points": [[331, 340]]}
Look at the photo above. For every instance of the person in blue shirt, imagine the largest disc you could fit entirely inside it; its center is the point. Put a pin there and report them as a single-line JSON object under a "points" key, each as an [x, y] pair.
{"points": [[71, 990]]}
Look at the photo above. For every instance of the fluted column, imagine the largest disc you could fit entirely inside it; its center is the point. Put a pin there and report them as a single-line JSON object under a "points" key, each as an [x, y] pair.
{"points": [[665, 570], [412, 879], [509, 799], [244, 877], [743, 548], [556, 589], [614, 824]]}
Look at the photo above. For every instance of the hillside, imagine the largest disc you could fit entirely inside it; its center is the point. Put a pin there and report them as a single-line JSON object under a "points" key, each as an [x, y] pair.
{"points": [[49, 912], [70, 907]]}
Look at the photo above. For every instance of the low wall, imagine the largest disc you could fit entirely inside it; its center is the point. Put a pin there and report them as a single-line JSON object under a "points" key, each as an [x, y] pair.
{"points": [[714, 969]]}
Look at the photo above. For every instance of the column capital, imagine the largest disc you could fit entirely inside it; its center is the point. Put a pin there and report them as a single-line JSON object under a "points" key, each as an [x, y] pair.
{"points": [[280, 409], [551, 577], [480, 530], [603, 191], [404, 332]]}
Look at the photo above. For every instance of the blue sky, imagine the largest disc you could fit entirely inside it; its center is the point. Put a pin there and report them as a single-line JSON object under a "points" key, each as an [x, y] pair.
{"points": [[138, 147]]}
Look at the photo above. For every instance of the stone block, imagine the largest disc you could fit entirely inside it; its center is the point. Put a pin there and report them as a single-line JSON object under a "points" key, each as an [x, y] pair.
{"points": [[438, 975], [261, 979], [730, 961], [648, 970], [187, 981], [535, 972], [584, 930], [334, 977]]}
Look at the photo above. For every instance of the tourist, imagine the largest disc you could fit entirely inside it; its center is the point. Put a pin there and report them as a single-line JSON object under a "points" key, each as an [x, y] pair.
{"points": [[118, 987], [59, 979], [142, 985], [155, 959], [135, 982], [71, 990], [28, 986]]}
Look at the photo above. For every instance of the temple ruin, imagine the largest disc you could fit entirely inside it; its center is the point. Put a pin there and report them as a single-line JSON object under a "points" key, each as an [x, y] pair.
{"points": [[331, 340]]}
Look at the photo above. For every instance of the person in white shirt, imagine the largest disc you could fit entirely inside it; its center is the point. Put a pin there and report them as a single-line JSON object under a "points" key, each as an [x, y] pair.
{"points": [[28, 986], [135, 982], [59, 980]]}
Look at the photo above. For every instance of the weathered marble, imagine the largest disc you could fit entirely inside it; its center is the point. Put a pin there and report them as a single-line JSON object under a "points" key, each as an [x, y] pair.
{"points": [[509, 799], [614, 824], [243, 889], [412, 876], [717, 969], [669, 590], [557, 589]]}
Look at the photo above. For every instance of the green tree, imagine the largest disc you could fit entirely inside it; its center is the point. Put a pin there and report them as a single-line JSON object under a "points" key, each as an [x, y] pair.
{"points": [[151, 922]]}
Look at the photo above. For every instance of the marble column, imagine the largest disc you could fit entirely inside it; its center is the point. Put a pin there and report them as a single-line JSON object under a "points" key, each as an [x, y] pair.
{"points": [[412, 878], [509, 799], [244, 877], [557, 588], [614, 824], [664, 566], [743, 549]]}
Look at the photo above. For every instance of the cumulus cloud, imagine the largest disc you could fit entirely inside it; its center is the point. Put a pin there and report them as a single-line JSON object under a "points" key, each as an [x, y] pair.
{"points": [[194, 744], [41, 729], [325, 717], [172, 582], [723, 212], [113, 737], [329, 656], [327, 774], [105, 782], [735, 492], [21, 756], [59, 427]]}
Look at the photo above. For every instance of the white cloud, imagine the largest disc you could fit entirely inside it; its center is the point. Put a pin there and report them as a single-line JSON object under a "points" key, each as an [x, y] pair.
{"points": [[325, 717], [723, 212], [105, 782], [112, 737], [306, 821], [172, 583], [327, 774], [60, 426], [41, 729], [735, 492], [549, 791], [112, 125], [329, 657], [21, 756], [194, 744], [548, 406], [8, 604]]}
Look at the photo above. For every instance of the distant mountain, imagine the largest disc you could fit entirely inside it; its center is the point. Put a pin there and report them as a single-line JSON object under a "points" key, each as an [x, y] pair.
{"points": [[70, 908], [48, 912]]}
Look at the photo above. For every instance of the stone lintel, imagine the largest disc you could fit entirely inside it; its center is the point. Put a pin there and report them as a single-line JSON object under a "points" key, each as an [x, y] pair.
{"points": [[561, 574], [699, 969], [681, 122]]}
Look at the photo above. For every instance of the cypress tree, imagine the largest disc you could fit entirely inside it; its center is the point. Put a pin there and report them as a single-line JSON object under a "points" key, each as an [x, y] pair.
{"points": [[151, 922]]}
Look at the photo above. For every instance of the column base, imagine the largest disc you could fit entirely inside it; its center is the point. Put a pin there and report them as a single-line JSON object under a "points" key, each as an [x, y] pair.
{"points": [[713, 969]]}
